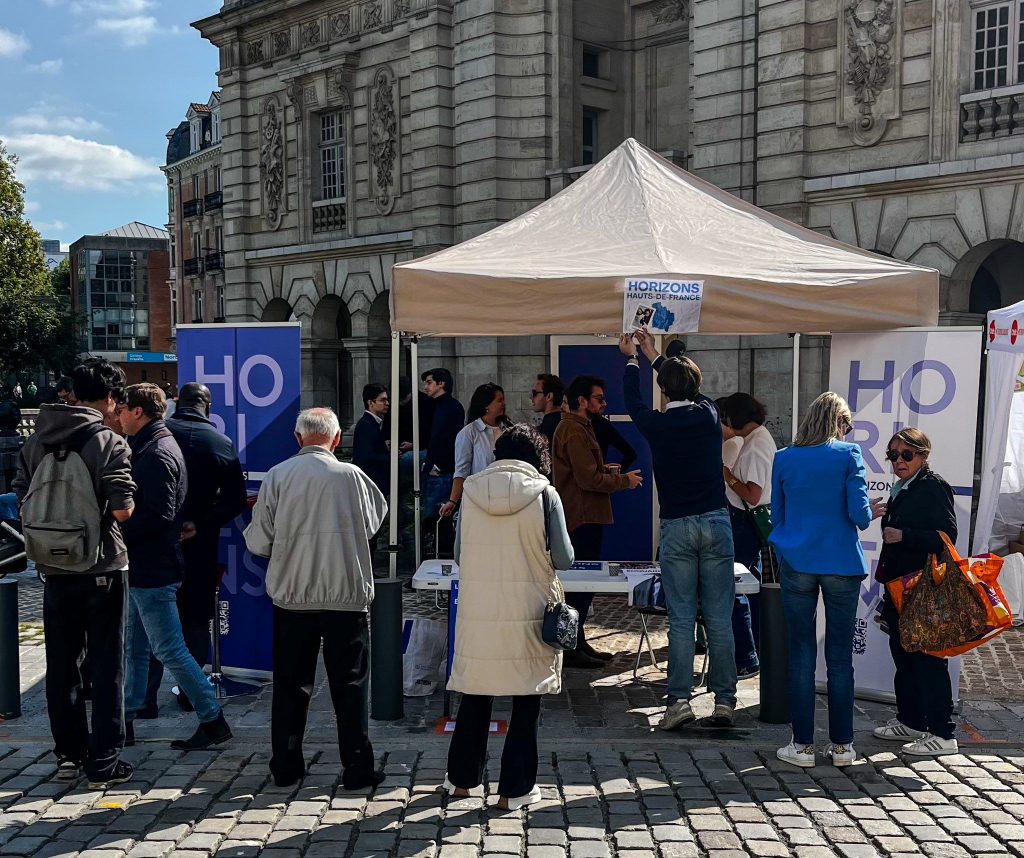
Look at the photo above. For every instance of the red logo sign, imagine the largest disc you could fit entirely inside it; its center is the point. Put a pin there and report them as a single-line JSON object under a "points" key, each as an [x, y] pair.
{"points": [[1014, 330], [992, 331]]}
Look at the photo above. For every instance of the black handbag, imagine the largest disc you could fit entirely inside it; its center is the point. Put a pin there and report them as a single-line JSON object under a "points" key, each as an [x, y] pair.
{"points": [[560, 627]]}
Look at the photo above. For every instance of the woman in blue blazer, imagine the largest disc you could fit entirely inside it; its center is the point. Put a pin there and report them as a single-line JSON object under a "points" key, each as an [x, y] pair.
{"points": [[819, 502]]}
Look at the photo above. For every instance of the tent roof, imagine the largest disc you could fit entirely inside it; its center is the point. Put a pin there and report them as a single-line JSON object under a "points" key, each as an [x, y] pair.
{"points": [[559, 268], [1005, 329]]}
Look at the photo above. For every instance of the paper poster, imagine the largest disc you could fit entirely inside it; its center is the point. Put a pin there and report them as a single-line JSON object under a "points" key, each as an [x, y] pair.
{"points": [[662, 306]]}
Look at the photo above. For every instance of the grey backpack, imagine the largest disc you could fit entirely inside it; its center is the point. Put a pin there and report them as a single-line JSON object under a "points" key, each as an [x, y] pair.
{"points": [[60, 515]]}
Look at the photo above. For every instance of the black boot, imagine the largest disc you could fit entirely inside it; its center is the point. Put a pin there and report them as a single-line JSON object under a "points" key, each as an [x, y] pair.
{"points": [[129, 734], [206, 736], [362, 780]]}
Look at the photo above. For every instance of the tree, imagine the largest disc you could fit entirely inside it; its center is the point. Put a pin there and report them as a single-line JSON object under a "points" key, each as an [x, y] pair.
{"points": [[60, 352], [29, 309]]}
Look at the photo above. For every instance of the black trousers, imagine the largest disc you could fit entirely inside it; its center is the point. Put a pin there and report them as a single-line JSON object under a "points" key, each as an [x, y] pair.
{"points": [[86, 613], [467, 753], [924, 692], [586, 545], [346, 642]]}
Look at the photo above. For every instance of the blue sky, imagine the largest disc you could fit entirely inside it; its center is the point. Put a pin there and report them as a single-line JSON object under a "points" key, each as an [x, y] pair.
{"points": [[88, 89]]}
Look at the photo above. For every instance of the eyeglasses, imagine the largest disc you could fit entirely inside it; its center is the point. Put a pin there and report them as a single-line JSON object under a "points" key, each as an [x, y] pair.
{"points": [[598, 398], [905, 455], [847, 427], [534, 393]]}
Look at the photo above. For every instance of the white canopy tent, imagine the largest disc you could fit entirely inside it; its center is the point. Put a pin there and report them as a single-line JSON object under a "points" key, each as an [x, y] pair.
{"points": [[560, 269], [1001, 501]]}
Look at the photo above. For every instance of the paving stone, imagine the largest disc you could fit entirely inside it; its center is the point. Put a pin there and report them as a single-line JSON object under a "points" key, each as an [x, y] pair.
{"points": [[718, 840], [589, 849], [545, 851], [633, 840], [678, 850]]}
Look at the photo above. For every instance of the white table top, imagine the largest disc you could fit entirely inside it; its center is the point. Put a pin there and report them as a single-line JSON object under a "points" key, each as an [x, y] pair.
{"points": [[594, 579]]}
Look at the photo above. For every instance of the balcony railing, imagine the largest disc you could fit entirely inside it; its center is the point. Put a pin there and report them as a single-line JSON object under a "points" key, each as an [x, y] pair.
{"points": [[193, 266], [192, 208], [992, 114], [329, 217], [215, 261], [213, 200]]}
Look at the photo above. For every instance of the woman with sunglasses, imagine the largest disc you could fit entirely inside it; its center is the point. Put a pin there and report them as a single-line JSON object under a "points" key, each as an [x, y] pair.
{"points": [[819, 503], [920, 508]]}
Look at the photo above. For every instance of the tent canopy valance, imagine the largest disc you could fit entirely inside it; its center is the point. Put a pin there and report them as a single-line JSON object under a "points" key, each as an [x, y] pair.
{"points": [[1005, 329], [559, 268]]}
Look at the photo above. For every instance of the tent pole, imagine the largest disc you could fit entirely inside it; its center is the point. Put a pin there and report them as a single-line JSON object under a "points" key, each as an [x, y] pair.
{"points": [[414, 354], [396, 343], [796, 384]]}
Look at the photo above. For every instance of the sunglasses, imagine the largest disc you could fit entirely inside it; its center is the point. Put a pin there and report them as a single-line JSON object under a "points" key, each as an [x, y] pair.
{"points": [[536, 393], [847, 427], [598, 398], [905, 455]]}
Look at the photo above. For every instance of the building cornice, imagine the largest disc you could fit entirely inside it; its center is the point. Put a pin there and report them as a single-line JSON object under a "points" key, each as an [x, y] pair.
{"points": [[200, 157], [381, 243]]}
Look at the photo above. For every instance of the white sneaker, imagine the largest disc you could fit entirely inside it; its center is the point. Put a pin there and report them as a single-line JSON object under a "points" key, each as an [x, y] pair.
{"points": [[797, 756], [532, 797], [842, 755], [895, 731], [676, 715], [931, 746], [449, 788]]}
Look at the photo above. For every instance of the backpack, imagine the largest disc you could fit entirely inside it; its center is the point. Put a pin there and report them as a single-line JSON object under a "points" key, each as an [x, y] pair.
{"points": [[61, 516]]}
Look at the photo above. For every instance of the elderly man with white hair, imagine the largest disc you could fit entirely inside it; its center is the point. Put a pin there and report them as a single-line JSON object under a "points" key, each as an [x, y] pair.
{"points": [[314, 519]]}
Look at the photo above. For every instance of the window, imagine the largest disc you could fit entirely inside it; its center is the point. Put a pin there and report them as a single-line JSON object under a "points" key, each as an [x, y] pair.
{"points": [[196, 186], [592, 61], [197, 305], [195, 135], [332, 156], [216, 126], [998, 45], [174, 304], [197, 245], [216, 179], [220, 239], [589, 150], [221, 303]]}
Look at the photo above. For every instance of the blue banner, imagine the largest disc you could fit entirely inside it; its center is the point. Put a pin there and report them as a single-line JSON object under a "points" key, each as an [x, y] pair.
{"points": [[253, 372]]}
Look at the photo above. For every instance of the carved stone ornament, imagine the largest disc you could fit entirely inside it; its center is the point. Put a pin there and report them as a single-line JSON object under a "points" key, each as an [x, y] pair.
{"points": [[254, 52], [282, 41], [341, 24], [372, 16], [869, 43], [309, 96], [670, 11], [272, 162], [401, 9], [383, 141], [310, 34], [294, 92]]}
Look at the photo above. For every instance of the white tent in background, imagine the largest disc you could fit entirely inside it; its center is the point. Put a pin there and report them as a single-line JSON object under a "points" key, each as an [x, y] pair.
{"points": [[559, 268]]}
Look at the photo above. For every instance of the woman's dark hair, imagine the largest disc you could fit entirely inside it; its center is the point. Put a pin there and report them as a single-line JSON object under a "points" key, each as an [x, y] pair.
{"points": [[525, 444], [740, 409], [483, 396], [95, 379], [680, 378]]}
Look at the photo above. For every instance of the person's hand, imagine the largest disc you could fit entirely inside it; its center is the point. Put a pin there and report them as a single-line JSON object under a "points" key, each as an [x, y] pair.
{"points": [[891, 535], [188, 530], [726, 475], [635, 478], [646, 343], [447, 509], [878, 507], [405, 447], [627, 346]]}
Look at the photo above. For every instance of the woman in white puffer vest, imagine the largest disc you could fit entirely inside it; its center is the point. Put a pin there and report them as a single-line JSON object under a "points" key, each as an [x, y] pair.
{"points": [[506, 580]]}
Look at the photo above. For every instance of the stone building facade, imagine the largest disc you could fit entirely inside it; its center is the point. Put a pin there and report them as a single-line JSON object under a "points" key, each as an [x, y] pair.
{"points": [[359, 134]]}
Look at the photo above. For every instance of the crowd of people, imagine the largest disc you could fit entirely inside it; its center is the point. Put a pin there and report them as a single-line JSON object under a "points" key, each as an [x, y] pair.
{"points": [[131, 593]]}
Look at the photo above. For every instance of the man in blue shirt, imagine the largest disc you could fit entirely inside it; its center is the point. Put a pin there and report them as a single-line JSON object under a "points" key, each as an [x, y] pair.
{"points": [[696, 550]]}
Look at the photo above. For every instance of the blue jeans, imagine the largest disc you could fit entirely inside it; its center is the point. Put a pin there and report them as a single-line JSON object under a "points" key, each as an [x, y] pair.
{"points": [[840, 594], [153, 622], [747, 547], [697, 566]]}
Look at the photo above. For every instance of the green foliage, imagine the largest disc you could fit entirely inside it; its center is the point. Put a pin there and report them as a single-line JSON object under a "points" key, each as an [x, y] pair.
{"points": [[30, 310]]}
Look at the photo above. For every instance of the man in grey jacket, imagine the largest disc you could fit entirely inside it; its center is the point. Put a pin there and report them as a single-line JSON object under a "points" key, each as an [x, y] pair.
{"points": [[314, 519]]}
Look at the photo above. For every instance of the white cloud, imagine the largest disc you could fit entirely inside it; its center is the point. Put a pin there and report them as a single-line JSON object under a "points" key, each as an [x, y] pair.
{"points": [[129, 21], [132, 32], [31, 206], [79, 164], [45, 228], [43, 119], [47, 67], [12, 44]]}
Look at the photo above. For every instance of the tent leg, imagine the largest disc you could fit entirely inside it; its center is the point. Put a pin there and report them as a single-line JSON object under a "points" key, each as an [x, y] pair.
{"points": [[796, 384], [396, 349], [416, 478]]}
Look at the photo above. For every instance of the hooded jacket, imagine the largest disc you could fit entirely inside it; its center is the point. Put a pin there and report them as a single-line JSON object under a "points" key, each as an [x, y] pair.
{"points": [[506, 580], [314, 518], [105, 455]]}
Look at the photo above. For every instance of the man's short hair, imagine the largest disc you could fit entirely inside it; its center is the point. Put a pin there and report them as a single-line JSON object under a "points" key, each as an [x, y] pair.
{"points": [[193, 394], [676, 348], [95, 379], [372, 391], [441, 376], [149, 397], [317, 422], [64, 385], [582, 387], [680, 378], [554, 385]]}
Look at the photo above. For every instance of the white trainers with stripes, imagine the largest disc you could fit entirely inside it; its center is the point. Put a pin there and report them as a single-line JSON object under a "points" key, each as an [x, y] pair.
{"points": [[895, 731], [931, 746]]}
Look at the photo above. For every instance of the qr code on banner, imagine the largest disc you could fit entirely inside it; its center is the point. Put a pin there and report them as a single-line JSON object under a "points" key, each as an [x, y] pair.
{"points": [[223, 616], [860, 637]]}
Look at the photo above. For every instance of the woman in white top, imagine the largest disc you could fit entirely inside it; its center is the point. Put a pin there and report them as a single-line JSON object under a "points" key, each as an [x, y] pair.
{"points": [[748, 485], [474, 445]]}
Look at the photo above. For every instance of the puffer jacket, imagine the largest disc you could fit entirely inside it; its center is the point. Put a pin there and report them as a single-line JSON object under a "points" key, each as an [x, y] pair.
{"points": [[506, 579], [314, 518]]}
